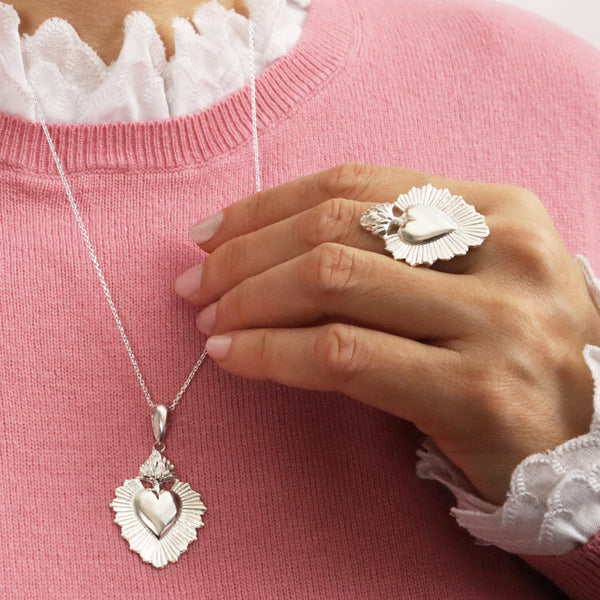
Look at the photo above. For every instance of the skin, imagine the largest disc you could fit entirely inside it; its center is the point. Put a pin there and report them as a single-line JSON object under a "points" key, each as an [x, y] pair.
{"points": [[483, 353], [100, 24]]}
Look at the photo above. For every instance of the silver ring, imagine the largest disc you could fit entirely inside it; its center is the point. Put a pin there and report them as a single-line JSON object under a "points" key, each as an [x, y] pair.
{"points": [[426, 225]]}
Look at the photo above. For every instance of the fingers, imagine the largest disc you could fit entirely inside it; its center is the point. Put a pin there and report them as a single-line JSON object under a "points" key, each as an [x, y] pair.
{"points": [[354, 181], [335, 220], [337, 283], [399, 376]]}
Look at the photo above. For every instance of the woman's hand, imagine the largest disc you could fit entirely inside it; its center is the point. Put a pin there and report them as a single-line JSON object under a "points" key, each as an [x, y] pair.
{"points": [[483, 353]]}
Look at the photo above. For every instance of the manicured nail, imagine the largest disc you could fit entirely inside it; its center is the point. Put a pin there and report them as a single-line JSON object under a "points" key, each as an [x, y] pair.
{"points": [[206, 319], [218, 346], [189, 282], [203, 231]]}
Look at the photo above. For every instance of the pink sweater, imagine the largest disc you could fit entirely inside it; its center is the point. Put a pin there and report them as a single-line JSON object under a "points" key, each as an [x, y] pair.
{"points": [[308, 495]]}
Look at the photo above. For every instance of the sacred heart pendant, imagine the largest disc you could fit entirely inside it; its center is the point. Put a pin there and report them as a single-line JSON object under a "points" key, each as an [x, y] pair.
{"points": [[425, 225], [158, 523]]}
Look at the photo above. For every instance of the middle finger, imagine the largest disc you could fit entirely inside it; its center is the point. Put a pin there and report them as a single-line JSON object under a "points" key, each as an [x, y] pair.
{"points": [[337, 283], [336, 220]]}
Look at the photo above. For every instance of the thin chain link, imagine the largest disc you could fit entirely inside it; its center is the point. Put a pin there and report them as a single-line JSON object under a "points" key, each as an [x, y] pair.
{"points": [[258, 184], [90, 247]]}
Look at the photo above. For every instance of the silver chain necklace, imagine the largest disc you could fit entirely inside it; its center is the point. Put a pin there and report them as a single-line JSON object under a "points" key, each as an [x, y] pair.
{"points": [[158, 513]]}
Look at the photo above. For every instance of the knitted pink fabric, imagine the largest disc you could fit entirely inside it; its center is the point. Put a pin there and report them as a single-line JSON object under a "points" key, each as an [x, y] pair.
{"points": [[308, 495]]}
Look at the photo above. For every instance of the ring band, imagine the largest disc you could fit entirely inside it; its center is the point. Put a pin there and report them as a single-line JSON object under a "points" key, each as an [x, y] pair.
{"points": [[425, 225]]}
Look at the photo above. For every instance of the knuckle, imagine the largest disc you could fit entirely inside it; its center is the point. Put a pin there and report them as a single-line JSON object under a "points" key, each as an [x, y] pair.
{"points": [[265, 358], [499, 312], [233, 308], [257, 209], [263, 347], [338, 352], [347, 179], [522, 198], [235, 252], [532, 248], [228, 258], [329, 222], [487, 388], [503, 200], [332, 269], [539, 252]]}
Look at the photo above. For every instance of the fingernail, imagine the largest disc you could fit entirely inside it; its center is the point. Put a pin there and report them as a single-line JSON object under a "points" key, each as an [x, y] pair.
{"points": [[203, 231], [206, 319], [218, 346], [189, 282]]}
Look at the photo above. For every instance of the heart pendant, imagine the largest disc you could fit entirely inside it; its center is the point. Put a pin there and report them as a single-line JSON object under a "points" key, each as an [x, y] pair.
{"points": [[158, 523], [158, 511], [425, 224]]}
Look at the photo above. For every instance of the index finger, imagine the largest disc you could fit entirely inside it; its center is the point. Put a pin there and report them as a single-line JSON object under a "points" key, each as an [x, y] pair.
{"points": [[371, 184], [354, 181]]}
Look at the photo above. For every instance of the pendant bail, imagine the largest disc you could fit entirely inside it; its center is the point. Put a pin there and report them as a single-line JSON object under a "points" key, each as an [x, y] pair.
{"points": [[160, 414]]}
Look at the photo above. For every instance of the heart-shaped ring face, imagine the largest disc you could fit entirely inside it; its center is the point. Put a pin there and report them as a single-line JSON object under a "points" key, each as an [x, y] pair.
{"points": [[424, 224], [158, 512]]}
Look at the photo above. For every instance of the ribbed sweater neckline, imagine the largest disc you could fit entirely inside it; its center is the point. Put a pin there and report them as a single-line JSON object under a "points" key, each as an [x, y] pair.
{"points": [[330, 31]]}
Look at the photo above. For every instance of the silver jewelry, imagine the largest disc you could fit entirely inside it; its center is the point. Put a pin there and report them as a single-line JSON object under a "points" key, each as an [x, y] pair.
{"points": [[158, 514], [158, 522], [426, 225]]}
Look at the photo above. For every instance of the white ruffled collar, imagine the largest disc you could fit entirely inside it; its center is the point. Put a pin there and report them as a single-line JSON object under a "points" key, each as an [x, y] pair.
{"points": [[211, 61]]}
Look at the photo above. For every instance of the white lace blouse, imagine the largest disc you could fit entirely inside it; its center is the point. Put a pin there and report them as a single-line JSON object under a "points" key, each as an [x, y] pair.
{"points": [[211, 60], [554, 502]]}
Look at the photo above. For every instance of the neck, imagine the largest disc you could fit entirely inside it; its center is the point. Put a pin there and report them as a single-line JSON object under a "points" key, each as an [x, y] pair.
{"points": [[100, 24]]}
